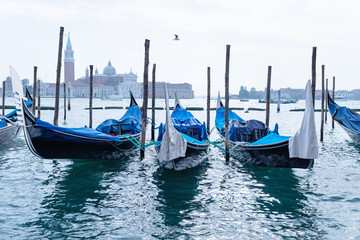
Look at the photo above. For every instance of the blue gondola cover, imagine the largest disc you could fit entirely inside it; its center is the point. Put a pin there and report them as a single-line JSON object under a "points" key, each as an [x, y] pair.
{"points": [[249, 131], [84, 131], [270, 138], [220, 118], [348, 117], [130, 123], [186, 123]]}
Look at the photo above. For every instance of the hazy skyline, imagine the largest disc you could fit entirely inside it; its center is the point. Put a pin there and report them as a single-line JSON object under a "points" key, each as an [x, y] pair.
{"points": [[279, 33]]}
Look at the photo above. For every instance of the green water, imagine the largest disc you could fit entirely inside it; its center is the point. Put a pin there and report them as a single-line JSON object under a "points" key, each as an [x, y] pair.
{"points": [[130, 198]]}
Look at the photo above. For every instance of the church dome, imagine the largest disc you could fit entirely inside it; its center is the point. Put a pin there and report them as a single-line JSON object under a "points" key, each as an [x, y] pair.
{"points": [[109, 70]]}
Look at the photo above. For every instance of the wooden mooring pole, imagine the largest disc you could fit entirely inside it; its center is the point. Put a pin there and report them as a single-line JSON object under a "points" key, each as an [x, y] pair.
{"points": [[227, 155], [69, 95], [38, 99], [91, 96], [278, 102], [145, 97], [153, 103], [64, 101], [208, 99], [34, 91], [326, 101], [322, 102], [268, 97], [333, 97], [58, 72], [3, 99], [313, 74]]}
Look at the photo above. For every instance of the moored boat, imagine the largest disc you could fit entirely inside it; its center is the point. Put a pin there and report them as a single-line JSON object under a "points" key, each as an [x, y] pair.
{"points": [[182, 136], [348, 119], [253, 142], [110, 140], [9, 127]]}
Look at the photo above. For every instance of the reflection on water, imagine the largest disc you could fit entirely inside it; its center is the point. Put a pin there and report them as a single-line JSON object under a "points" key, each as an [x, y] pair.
{"points": [[283, 200], [176, 197], [76, 197]]}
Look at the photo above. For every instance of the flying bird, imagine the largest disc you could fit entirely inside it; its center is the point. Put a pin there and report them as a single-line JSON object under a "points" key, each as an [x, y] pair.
{"points": [[176, 37]]}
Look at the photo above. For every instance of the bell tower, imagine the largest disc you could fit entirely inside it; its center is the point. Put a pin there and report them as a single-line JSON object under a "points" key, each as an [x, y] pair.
{"points": [[69, 63]]}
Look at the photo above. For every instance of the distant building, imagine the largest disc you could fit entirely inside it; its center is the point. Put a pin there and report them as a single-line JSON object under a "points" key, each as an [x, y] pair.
{"points": [[130, 83], [290, 93], [183, 90], [108, 82], [343, 94], [120, 83], [83, 90]]}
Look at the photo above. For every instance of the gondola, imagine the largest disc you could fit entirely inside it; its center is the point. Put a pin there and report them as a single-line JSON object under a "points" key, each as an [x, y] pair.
{"points": [[9, 125], [346, 118], [182, 136], [112, 139], [253, 142]]}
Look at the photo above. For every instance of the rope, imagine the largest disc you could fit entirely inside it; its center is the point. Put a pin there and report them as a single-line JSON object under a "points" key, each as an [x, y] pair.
{"points": [[132, 140], [211, 130], [221, 148], [152, 143], [149, 118], [34, 125], [154, 125], [214, 144], [233, 148]]}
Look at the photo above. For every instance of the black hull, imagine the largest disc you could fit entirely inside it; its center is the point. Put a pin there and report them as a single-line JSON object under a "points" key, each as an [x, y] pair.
{"points": [[52, 144], [269, 155], [193, 149], [9, 132]]}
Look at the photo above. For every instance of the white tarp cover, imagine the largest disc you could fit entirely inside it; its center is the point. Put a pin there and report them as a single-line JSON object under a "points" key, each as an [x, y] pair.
{"points": [[173, 145], [304, 143]]}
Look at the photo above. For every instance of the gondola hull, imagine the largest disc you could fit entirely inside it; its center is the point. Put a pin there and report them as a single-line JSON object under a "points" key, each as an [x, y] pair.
{"points": [[195, 149], [268, 155], [52, 144], [355, 120], [353, 135], [9, 132]]}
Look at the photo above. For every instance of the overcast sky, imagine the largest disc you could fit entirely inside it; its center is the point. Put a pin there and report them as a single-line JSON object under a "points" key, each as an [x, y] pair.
{"points": [[280, 33]]}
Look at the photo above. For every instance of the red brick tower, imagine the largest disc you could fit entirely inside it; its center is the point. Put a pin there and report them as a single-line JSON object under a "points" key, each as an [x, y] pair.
{"points": [[69, 63]]}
